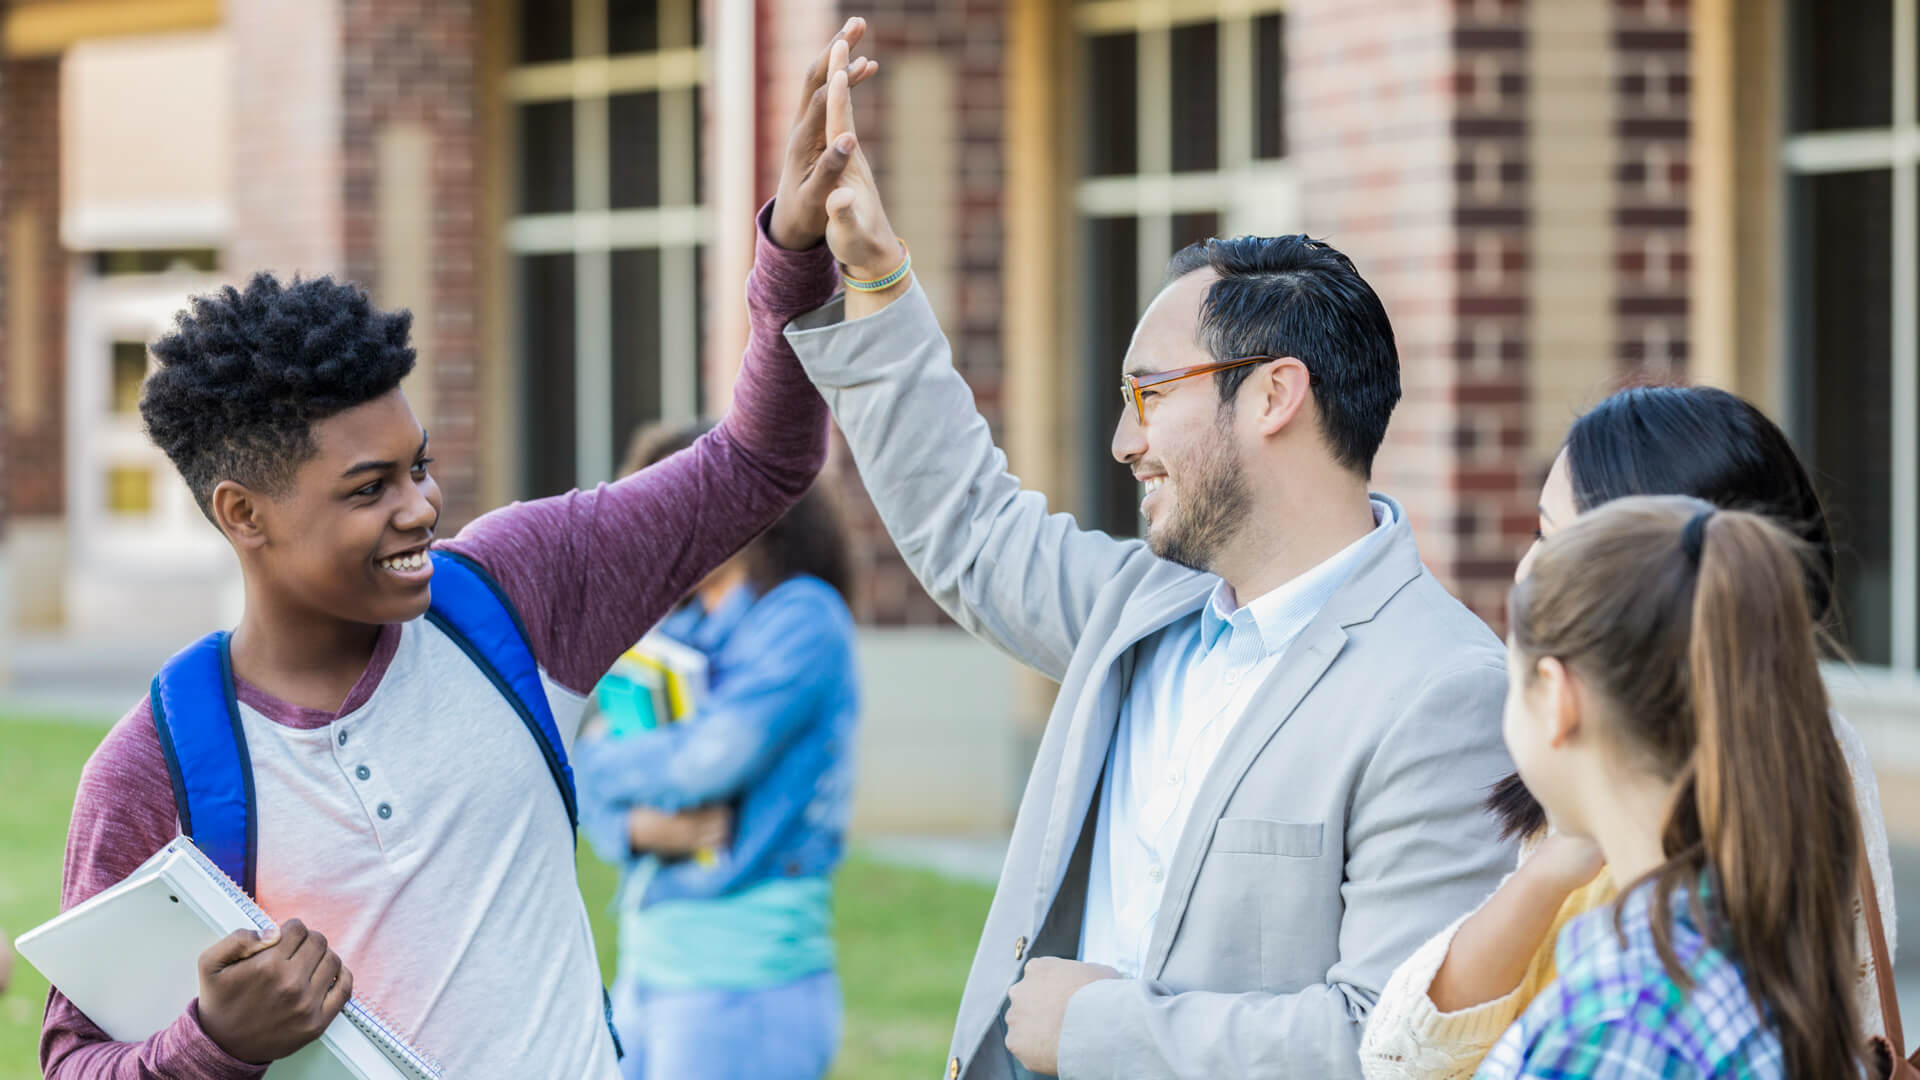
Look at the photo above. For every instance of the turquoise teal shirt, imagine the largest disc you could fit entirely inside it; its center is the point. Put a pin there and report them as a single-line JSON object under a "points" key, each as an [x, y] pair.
{"points": [[767, 935]]}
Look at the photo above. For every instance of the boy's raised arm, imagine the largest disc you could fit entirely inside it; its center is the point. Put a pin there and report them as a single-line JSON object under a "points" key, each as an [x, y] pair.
{"points": [[590, 571]]}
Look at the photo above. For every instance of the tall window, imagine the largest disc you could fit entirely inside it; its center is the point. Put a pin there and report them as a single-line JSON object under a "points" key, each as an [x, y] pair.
{"points": [[1852, 154], [607, 228], [1183, 137]]}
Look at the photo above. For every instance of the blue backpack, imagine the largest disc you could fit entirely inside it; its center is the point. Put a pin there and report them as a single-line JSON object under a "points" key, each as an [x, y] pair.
{"points": [[197, 715]]}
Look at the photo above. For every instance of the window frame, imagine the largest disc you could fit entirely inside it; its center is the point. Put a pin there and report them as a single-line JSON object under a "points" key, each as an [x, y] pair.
{"points": [[593, 231], [1895, 149], [1247, 193]]}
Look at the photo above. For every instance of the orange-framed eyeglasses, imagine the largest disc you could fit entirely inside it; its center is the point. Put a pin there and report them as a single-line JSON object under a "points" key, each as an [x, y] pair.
{"points": [[1131, 385]]}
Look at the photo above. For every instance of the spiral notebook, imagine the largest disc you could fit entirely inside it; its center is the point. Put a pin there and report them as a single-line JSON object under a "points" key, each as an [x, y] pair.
{"points": [[128, 958]]}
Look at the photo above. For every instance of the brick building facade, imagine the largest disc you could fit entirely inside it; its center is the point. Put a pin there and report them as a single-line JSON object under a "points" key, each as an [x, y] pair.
{"points": [[1551, 198]]}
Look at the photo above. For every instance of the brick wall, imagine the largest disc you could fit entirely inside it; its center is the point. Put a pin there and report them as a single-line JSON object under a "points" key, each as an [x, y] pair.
{"points": [[1651, 101], [1411, 149], [1493, 488], [413, 62], [286, 137], [970, 34], [30, 183]]}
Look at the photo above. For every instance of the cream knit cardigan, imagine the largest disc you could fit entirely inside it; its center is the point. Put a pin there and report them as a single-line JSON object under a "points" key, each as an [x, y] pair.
{"points": [[1408, 1038]]}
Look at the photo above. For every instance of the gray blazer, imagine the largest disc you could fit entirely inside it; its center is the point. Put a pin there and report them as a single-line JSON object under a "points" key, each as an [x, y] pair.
{"points": [[1340, 827]]}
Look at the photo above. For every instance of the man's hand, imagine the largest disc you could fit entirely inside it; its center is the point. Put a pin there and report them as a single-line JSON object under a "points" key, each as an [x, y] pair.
{"points": [[6, 962], [709, 828], [857, 227], [261, 999], [811, 170], [1037, 1007]]}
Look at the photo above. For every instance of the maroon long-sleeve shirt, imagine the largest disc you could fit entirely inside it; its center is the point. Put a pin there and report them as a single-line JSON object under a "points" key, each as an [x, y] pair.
{"points": [[589, 571]]}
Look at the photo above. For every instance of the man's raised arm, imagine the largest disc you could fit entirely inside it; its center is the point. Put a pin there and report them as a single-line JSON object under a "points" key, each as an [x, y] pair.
{"points": [[987, 551]]}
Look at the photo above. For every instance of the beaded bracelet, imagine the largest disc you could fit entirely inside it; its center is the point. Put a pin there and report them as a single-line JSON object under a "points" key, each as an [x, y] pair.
{"points": [[881, 284]]}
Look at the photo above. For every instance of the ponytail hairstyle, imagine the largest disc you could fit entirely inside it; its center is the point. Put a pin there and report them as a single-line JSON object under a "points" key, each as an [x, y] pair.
{"points": [[810, 538], [1710, 671], [1686, 440]]}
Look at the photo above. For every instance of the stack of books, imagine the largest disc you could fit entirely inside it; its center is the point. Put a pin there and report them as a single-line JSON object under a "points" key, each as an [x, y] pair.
{"points": [[657, 682]]}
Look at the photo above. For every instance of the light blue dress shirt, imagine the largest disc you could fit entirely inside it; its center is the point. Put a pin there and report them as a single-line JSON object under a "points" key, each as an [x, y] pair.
{"points": [[1191, 683]]}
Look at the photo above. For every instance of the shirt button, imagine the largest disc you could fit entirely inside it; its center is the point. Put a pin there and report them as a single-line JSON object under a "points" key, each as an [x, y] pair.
{"points": [[1020, 948], [1173, 779], [363, 772], [343, 738], [1154, 874], [953, 1069], [386, 811]]}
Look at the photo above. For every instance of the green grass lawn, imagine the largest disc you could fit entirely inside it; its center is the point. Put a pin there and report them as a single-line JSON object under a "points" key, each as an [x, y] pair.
{"points": [[906, 937]]}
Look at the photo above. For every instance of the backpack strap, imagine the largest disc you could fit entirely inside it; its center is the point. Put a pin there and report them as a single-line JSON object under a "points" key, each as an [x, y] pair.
{"points": [[472, 609], [197, 717]]}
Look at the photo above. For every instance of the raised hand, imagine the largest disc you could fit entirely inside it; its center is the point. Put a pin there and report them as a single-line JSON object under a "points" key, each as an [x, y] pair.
{"points": [[812, 169], [857, 227]]}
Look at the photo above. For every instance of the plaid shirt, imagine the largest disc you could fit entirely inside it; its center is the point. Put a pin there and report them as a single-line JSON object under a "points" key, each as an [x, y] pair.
{"points": [[1614, 1011]]}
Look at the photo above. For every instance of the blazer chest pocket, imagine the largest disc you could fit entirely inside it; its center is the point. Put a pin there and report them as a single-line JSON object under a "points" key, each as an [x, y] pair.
{"points": [[1258, 836]]}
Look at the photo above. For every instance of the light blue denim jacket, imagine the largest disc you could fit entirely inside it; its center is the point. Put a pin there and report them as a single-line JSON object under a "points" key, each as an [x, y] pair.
{"points": [[775, 736]]}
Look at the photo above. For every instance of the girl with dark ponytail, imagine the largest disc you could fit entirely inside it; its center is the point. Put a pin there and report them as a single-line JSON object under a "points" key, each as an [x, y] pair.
{"points": [[1439, 1014], [1680, 724]]}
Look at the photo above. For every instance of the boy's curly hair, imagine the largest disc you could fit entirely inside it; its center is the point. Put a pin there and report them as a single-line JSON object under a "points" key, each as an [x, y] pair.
{"points": [[244, 375]]}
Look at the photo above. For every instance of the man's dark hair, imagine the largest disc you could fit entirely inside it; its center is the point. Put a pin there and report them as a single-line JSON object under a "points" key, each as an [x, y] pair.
{"points": [[243, 376], [1296, 296]]}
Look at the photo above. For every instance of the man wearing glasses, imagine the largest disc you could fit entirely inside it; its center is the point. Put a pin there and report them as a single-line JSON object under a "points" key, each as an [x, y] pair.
{"points": [[1260, 787]]}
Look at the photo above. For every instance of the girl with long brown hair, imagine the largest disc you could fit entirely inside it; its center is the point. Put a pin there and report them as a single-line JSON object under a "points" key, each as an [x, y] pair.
{"points": [[1665, 702]]}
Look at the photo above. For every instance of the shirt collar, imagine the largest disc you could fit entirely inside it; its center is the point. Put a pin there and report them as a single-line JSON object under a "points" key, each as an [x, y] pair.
{"points": [[1271, 621]]}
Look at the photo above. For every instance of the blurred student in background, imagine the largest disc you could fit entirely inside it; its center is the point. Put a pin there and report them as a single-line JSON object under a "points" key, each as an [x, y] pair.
{"points": [[1444, 1008], [728, 825], [1665, 704]]}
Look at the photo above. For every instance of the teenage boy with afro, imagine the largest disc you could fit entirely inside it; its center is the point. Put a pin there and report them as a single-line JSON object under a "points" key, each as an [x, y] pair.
{"points": [[404, 811]]}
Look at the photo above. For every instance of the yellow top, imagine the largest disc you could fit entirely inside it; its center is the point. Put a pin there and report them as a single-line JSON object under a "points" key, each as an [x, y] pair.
{"points": [[1409, 1037]]}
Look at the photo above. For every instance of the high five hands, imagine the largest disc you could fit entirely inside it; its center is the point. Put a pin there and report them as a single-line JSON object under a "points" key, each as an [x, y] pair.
{"points": [[826, 184]]}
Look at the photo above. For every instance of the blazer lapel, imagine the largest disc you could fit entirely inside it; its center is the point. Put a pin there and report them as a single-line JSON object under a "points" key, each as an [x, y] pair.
{"points": [[1273, 702], [1389, 568], [1096, 713]]}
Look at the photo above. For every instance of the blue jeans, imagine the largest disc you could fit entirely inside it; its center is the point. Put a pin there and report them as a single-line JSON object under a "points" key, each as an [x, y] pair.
{"points": [[788, 1032]]}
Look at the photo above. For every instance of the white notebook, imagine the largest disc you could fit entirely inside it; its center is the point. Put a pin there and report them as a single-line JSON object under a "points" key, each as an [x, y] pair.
{"points": [[129, 959]]}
